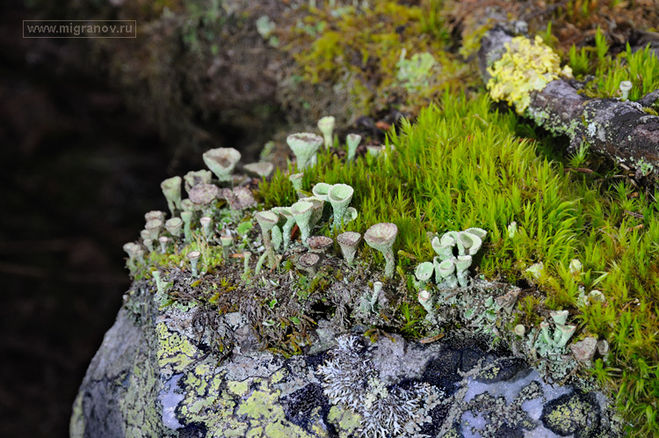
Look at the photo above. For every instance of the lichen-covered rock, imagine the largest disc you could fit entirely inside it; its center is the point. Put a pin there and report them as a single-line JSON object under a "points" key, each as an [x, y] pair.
{"points": [[574, 413], [159, 372]]}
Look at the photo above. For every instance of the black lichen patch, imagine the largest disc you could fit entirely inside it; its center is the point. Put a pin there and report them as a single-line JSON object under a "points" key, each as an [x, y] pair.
{"points": [[194, 430], [574, 413], [438, 416], [504, 369], [316, 359], [300, 405], [441, 371], [506, 431]]}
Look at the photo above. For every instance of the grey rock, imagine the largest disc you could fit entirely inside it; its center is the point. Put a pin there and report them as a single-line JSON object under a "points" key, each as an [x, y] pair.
{"points": [[157, 374], [584, 350]]}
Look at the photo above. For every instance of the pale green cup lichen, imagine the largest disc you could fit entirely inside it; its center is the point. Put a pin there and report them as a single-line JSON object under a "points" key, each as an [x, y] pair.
{"points": [[154, 214], [221, 161], [164, 240], [262, 169], [194, 256], [625, 88], [205, 223], [425, 299], [296, 180], [246, 273], [353, 141], [188, 205], [348, 243], [350, 215], [277, 237], [321, 190], [195, 177], [462, 264], [304, 145], [326, 126], [153, 228], [186, 216], [377, 289], [445, 270], [267, 220], [339, 197], [381, 237], [174, 226], [226, 240], [171, 188], [423, 272], [318, 205], [132, 249], [444, 251], [512, 229], [288, 225], [374, 151], [302, 211]]}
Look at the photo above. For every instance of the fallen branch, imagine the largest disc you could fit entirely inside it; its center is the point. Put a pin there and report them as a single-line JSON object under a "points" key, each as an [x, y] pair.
{"points": [[620, 130]]}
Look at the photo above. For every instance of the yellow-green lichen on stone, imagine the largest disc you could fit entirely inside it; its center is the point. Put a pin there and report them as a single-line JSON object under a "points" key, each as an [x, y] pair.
{"points": [[346, 420], [238, 388], [526, 66], [174, 349]]}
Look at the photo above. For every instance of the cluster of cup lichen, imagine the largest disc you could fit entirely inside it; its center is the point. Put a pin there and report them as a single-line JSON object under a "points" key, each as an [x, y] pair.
{"points": [[525, 67]]}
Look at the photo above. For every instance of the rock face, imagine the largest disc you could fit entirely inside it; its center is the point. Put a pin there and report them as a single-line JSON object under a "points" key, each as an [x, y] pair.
{"points": [[160, 372]]}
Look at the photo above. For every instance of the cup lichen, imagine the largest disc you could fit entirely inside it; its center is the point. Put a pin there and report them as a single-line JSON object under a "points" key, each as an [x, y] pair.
{"points": [[381, 237]]}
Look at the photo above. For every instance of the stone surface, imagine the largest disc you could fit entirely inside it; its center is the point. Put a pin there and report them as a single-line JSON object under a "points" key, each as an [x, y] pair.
{"points": [[160, 373], [584, 350]]}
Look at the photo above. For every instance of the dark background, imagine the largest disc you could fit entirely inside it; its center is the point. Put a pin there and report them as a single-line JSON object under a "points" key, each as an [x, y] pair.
{"points": [[78, 170]]}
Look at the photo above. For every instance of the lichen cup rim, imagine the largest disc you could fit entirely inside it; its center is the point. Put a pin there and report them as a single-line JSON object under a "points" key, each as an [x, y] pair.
{"points": [[300, 207], [340, 192], [381, 235], [266, 219], [221, 158], [314, 259], [321, 190], [203, 194], [349, 238], [304, 142], [424, 271], [319, 243]]}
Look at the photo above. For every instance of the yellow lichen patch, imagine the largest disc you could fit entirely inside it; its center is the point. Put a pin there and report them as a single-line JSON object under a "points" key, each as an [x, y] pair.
{"points": [[279, 376], [346, 420], [525, 66], [238, 388], [174, 349], [263, 407]]}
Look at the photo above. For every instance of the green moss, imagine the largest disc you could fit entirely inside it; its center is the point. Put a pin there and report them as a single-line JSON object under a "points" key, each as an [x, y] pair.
{"points": [[640, 67], [360, 51]]}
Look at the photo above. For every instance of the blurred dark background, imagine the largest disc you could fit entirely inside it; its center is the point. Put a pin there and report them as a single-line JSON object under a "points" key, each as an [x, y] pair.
{"points": [[78, 170], [88, 130]]}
